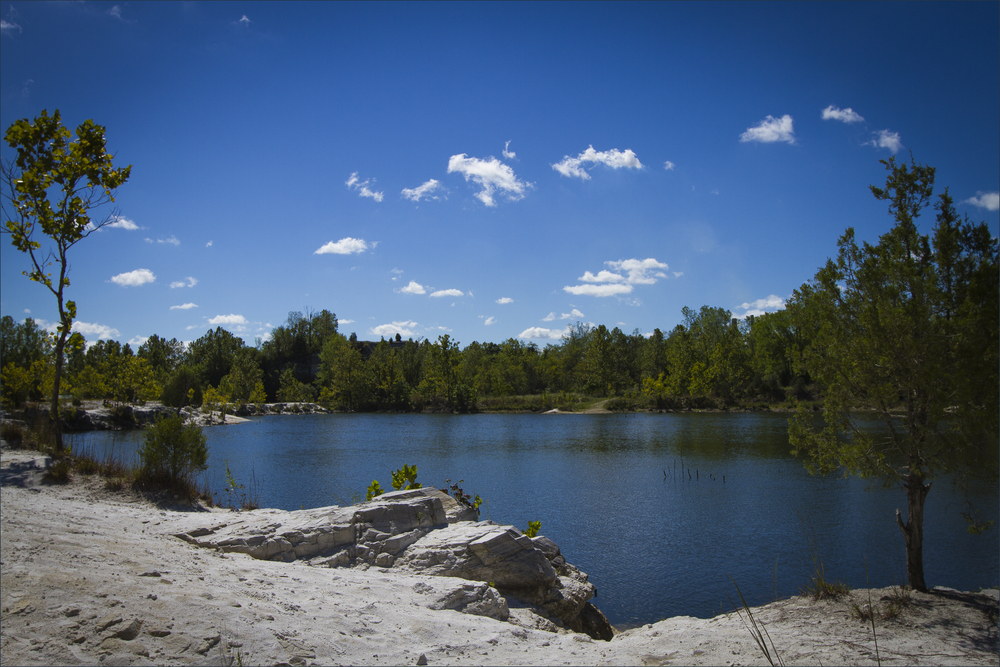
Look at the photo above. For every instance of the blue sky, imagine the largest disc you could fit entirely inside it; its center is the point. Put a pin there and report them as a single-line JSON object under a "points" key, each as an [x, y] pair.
{"points": [[490, 171]]}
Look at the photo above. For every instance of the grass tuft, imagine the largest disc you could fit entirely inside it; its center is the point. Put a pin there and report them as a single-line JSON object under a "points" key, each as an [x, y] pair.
{"points": [[755, 628]]}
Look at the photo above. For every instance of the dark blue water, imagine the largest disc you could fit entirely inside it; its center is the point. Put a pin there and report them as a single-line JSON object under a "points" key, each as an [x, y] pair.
{"points": [[655, 547]]}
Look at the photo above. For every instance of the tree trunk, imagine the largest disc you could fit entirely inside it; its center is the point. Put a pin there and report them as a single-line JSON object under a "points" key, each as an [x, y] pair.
{"points": [[54, 419], [913, 531]]}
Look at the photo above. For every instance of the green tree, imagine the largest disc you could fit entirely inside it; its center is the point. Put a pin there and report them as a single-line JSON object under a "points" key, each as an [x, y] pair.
{"points": [[23, 344], [162, 355], [182, 388], [80, 177], [245, 381], [213, 354], [343, 374], [293, 391], [907, 329]]}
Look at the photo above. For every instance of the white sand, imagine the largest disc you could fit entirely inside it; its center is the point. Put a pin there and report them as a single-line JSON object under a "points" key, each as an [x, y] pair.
{"points": [[92, 577]]}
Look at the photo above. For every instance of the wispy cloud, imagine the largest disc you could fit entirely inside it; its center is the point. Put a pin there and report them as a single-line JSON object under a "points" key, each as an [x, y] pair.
{"points": [[771, 130], [490, 320], [847, 115], [623, 275], [490, 174], [8, 28], [190, 282], [353, 183], [505, 300], [404, 328], [413, 288], [134, 278], [244, 21], [345, 246], [121, 222], [423, 191], [447, 292], [230, 320], [886, 139], [565, 316], [208, 245], [988, 200], [668, 165], [173, 240], [614, 158], [507, 153], [185, 306]]}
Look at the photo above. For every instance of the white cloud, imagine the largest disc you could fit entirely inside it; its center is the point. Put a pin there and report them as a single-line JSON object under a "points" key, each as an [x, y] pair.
{"points": [[413, 288], [988, 200], [601, 277], [565, 316], [404, 329], [345, 246], [9, 28], [847, 115], [491, 175], [173, 240], [121, 222], [228, 319], [542, 332], [678, 274], [490, 320], [757, 308], [134, 278], [422, 191], [573, 166], [505, 300], [115, 11], [770, 130], [507, 153], [137, 341], [191, 282], [208, 245], [668, 165], [185, 306], [639, 272], [339, 321], [102, 331], [244, 21], [354, 183], [598, 290], [447, 292], [886, 139]]}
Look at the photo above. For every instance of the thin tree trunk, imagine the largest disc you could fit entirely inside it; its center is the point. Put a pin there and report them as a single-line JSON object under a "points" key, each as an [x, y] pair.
{"points": [[54, 419], [913, 531]]}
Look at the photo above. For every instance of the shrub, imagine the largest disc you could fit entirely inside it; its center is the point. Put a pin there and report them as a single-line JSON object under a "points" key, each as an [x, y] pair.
{"points": [[171, 452]]}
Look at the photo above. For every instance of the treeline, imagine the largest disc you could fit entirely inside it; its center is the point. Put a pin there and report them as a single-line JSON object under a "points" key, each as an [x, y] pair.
{"points": [[710, 356]]}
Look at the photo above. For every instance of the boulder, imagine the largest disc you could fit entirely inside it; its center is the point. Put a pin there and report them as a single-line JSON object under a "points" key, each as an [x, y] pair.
{"points": [[421, 531]]}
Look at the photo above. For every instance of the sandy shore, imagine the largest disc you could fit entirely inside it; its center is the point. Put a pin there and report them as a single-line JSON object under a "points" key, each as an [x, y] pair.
{"points": [[91, 577]]}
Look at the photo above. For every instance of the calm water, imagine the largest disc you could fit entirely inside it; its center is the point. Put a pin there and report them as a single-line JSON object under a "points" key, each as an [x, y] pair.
{"points": [[654, 547]]}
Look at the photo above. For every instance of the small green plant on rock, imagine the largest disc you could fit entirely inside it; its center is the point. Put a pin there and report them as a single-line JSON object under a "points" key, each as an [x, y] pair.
{"points": [[533, 528], [405, 478], [374, 490]]}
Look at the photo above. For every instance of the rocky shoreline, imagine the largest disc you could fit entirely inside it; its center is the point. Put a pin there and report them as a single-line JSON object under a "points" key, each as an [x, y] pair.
{"points": [[97, 416], [88, 576]]}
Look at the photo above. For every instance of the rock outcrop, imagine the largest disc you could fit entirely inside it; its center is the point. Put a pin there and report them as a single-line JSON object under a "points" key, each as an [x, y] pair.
{"points": [[422, 531]]}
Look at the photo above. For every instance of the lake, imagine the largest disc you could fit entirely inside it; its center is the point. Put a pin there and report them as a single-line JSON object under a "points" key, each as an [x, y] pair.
{"points": [[655, 545]]}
